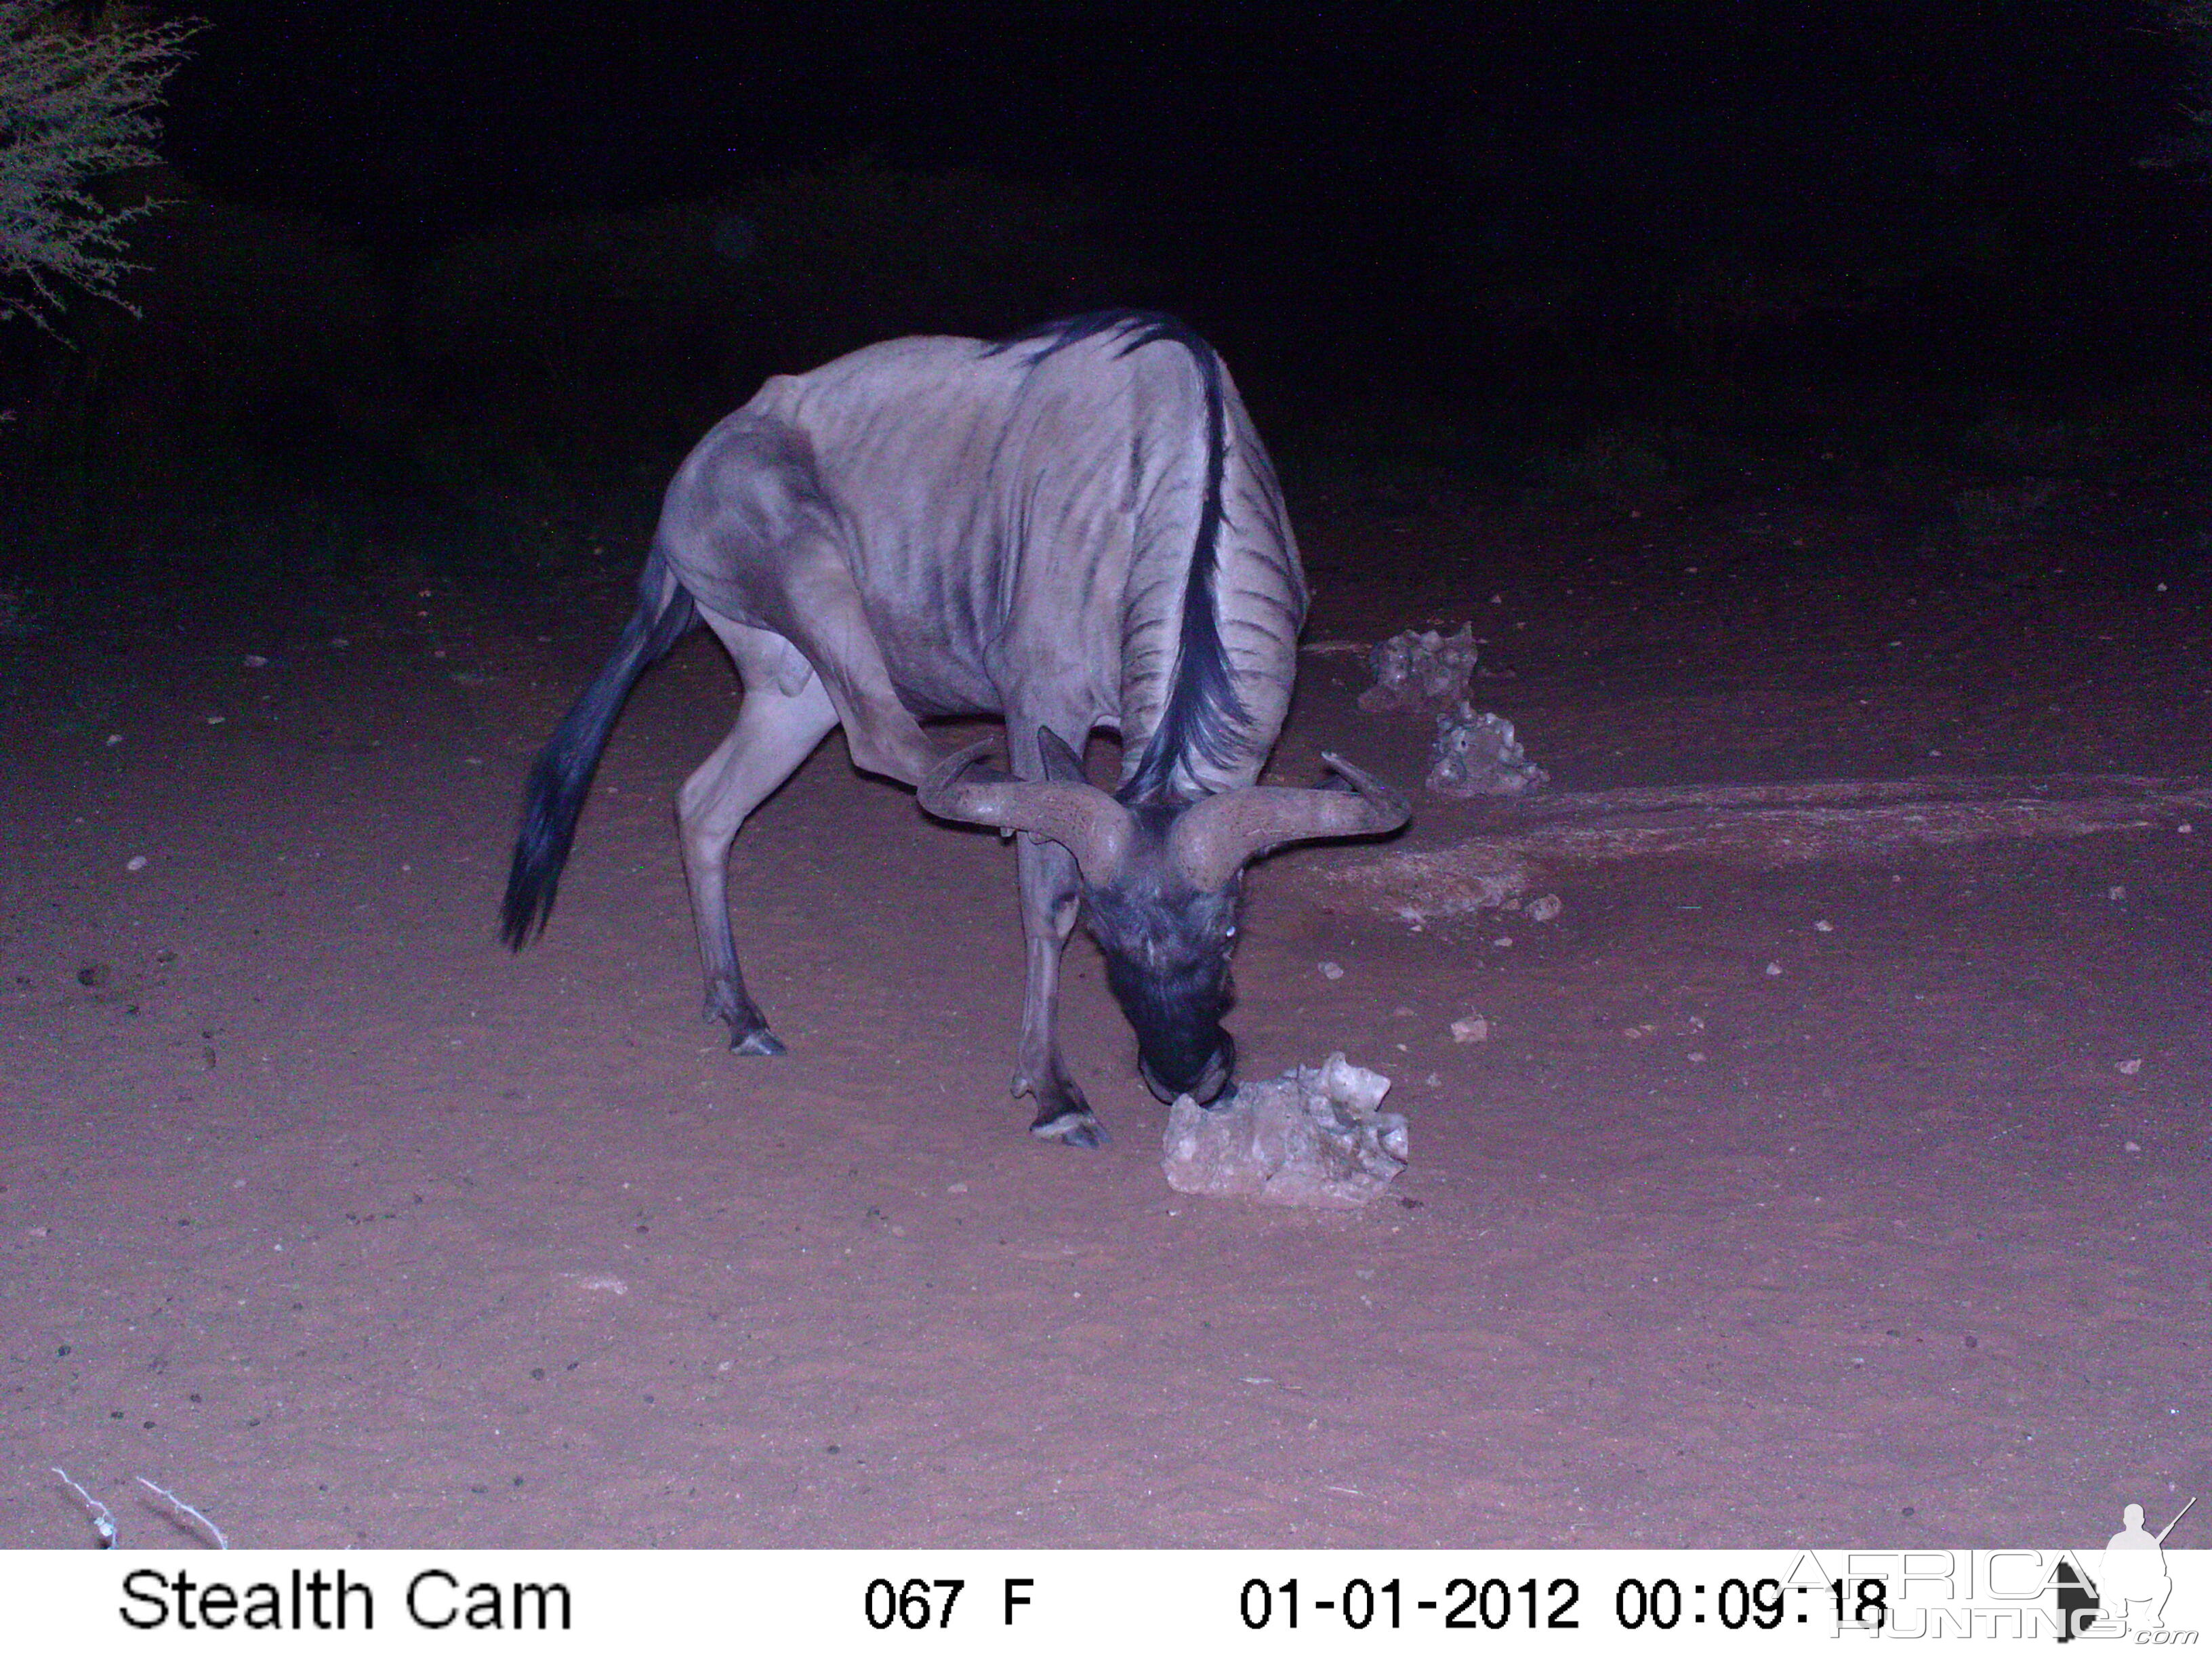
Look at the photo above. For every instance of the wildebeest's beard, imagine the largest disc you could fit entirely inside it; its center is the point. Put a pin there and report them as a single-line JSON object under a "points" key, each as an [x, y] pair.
{"points": [[1167, 962]]}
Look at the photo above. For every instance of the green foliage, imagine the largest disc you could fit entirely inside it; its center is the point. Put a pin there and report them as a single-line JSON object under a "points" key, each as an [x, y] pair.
{"points": [[75, 106]]}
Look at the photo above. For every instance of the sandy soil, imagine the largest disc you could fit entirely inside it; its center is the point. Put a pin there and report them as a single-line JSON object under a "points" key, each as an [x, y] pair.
{"points": [[319, 1208]]}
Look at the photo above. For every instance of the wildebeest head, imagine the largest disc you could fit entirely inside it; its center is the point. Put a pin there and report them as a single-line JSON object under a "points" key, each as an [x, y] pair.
{"points": [[1161, 885]]}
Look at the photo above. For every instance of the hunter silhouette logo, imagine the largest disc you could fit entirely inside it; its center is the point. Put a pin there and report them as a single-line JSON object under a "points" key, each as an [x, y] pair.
{"points": [[2131, 1583]]}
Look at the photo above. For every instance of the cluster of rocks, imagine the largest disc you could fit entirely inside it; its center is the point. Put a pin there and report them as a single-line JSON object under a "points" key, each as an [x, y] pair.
{"points": [[1475, 752], [1417, 673], [1311, 1136]]}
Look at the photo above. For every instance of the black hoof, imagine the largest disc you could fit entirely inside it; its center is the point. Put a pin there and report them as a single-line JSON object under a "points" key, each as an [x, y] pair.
{"points": [[761, 1040]]}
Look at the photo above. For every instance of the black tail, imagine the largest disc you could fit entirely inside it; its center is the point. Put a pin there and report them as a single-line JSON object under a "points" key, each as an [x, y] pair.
{"points": [[562, 774]]}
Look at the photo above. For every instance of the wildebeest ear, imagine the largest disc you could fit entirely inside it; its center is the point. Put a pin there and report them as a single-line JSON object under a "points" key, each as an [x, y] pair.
{"points": [[1061, 763]]}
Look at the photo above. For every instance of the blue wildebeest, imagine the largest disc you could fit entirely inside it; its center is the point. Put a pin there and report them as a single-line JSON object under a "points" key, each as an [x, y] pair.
{"points": [[1073, 529]]}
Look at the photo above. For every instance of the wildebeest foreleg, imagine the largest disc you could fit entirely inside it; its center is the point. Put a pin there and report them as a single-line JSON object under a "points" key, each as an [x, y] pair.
{"points": [[1051, 899], [785, 715]]}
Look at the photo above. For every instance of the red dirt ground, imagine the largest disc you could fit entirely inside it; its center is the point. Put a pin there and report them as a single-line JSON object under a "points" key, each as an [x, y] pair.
{"points": [[324, 1212]]}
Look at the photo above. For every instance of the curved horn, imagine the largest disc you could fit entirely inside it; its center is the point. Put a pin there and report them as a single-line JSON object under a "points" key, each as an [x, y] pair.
{"points": [[1217, 836], [1087, 821]]}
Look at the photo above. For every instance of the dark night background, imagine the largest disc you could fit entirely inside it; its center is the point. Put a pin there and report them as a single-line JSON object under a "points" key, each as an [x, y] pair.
{"points": [[502, 263], [1802, 407]]}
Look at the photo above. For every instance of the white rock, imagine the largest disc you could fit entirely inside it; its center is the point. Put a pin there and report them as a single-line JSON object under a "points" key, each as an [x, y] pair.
{"points": [[1355, 1088], [1472, 1027], [1308, 1138], [1545, 908], [1330, 970]]}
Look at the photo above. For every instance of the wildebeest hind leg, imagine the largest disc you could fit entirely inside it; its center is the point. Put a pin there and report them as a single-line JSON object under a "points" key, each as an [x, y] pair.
{"points": [[777, 728]]}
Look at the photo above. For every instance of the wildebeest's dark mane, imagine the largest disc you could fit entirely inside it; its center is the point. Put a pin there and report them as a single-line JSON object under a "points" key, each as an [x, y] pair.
{"points": [[1201, 715]]}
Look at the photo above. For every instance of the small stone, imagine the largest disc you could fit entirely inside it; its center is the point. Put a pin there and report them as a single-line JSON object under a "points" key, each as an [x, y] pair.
{"points": [[2116, 892], [1472, 1027], [1823, 927], [1503, 943], [1330, 970], [256, 661], [1774, 970], [136, 862], [2131, 1146], [2130, 1068], [1545, 908]]}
